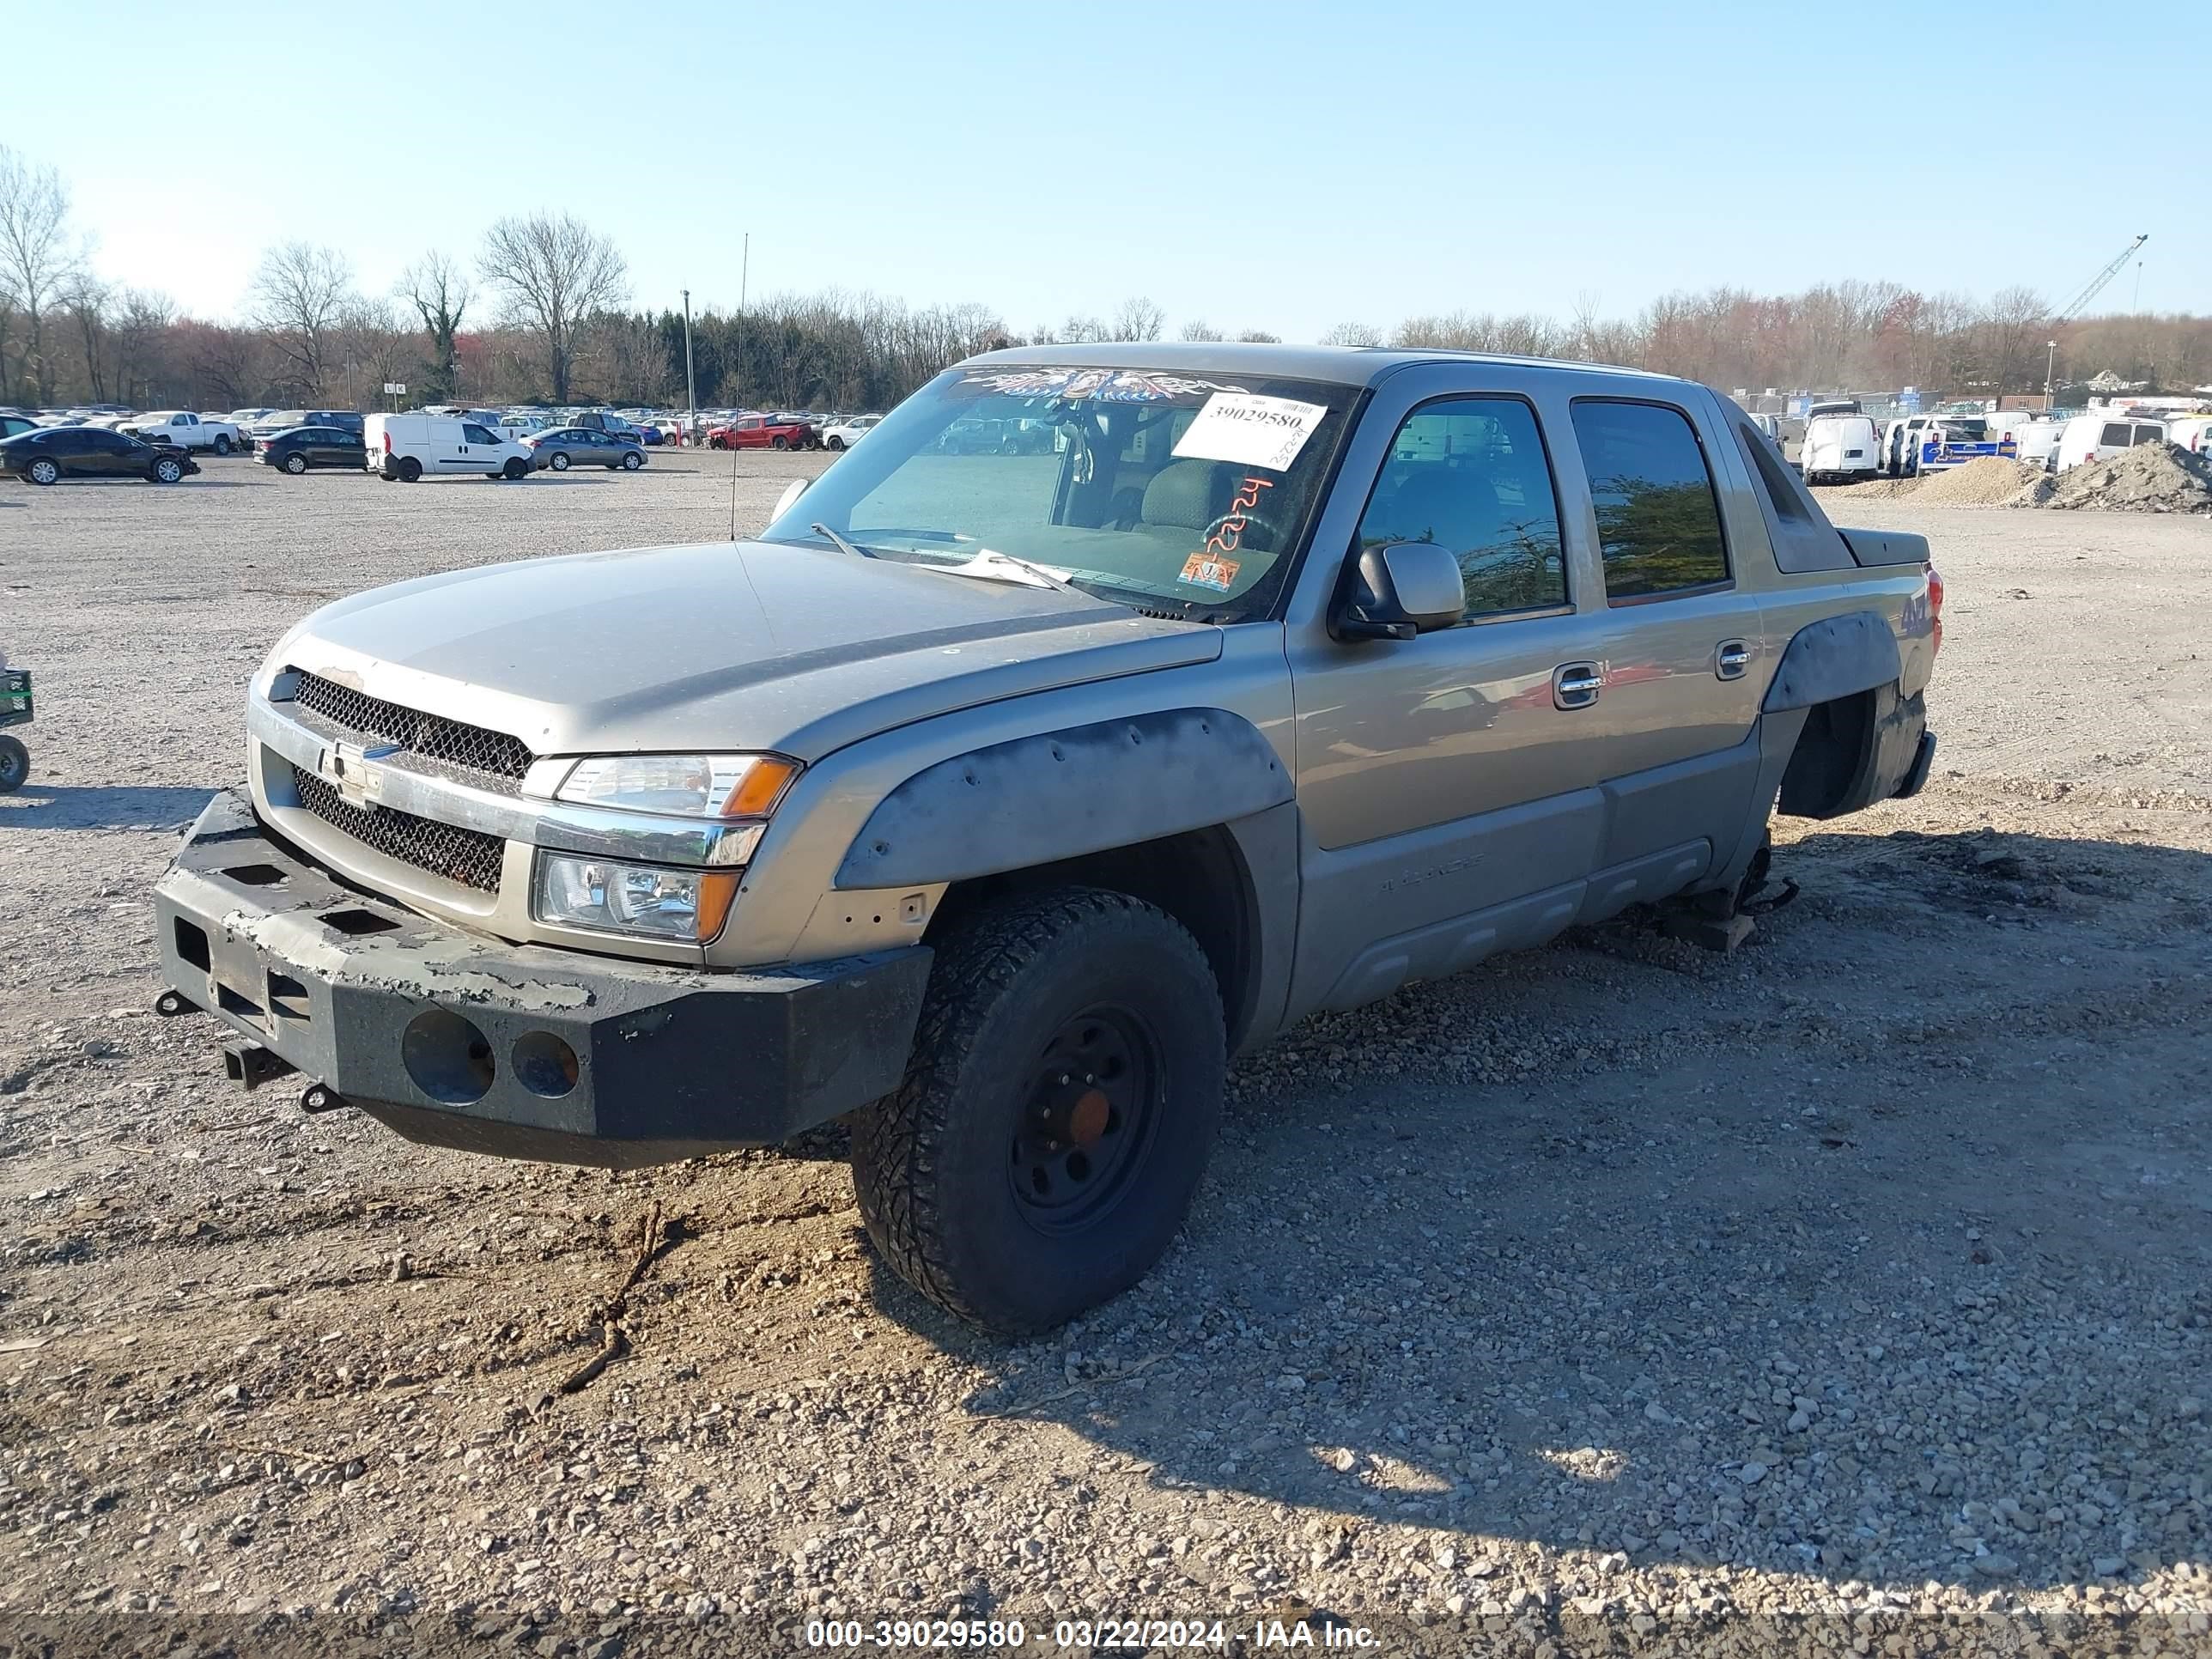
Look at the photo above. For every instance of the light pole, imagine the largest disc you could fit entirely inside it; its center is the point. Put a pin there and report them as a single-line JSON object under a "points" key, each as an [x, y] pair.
{"points": [[690, 380], [2050, 361]]}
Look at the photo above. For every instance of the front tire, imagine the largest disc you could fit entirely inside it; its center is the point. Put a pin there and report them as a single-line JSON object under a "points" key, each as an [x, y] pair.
{"points": [[222, 445], [632, 461], [166, 471], [1057, 1113], [42, 472], [515, 470], [15, 765], [833, 444], [296, 465]]}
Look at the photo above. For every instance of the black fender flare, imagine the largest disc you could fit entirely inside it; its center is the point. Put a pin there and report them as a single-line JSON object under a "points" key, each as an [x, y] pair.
{"points": [[1063, 794], [1836, 657]]}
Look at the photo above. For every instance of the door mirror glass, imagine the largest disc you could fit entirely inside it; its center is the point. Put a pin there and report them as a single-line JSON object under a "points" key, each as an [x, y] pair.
{"points": [[1396, 590]]}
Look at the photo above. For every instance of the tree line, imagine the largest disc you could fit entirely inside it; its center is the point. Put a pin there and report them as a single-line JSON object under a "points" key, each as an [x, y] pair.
{"points": [[542, 312]]}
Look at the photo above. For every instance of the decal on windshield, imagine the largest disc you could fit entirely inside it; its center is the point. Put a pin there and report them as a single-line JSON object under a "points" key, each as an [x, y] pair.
{"points": [[1203, 569], [1250, 430], [1110, 386], [1228, 533]]}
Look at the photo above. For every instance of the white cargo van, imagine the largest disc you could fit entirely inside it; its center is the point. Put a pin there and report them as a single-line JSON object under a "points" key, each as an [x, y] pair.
{"points": [[2099, 436], [2190, 432], [1839, 449], [409, 447]]}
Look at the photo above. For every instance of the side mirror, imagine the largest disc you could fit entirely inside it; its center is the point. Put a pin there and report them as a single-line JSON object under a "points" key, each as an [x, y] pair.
{"points": [[1397, 590], [792, 492]]}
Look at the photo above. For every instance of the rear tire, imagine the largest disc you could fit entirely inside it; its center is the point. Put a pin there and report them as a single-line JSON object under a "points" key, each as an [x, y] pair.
{"points": [[295, 464], [410, 471], [15, 765], [42, 472], [560, 460], [1057, 1112]]}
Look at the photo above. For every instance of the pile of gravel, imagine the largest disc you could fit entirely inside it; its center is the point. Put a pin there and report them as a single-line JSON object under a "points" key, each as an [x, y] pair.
{"points": [[1991, 481], [2153, 478]]}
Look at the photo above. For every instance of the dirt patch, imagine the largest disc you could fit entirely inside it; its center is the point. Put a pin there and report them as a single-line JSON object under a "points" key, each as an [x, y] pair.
{"points": [[2154, 477], [1991, 481]]}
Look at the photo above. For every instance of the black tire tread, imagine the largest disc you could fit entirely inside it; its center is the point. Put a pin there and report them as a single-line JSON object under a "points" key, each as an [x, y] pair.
{"points": [[896, 1141]]}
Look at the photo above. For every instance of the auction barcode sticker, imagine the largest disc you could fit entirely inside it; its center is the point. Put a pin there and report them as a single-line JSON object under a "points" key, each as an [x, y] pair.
{"points": [[1250, 430]]}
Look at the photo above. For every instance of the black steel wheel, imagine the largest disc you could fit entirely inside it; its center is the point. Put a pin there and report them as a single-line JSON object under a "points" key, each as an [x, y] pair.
{"points": [[410, 471], [15, 765], [1057, 1112]]}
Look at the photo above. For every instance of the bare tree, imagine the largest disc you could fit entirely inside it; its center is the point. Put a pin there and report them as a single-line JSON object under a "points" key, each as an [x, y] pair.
{"points": [[300, 296], [36, 256], [378, 343], [2011, 328], [552, 274], [1198, 329], [1139, 319], [1353, 334], [84, 298], [1259, 337], [438, 289]]}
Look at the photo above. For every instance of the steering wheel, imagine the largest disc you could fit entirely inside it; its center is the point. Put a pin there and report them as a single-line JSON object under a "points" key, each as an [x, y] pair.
{"points": [[1251, 522]]}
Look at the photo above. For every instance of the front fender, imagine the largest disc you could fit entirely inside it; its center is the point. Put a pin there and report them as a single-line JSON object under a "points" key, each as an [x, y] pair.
{"points": [[1066, 794]]}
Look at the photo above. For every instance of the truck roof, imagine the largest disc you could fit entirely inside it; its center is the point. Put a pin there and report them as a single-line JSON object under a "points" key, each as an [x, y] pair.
{"points": [[1360, 366]]}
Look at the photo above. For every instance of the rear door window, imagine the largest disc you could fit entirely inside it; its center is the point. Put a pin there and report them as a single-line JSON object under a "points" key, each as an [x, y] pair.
{"points": [[2115, 434], [1658, 517], [2145, 434]]}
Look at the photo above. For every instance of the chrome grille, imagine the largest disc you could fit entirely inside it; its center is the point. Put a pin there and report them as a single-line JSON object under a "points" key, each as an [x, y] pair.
{"points": [[466, 856], [432, 736]]}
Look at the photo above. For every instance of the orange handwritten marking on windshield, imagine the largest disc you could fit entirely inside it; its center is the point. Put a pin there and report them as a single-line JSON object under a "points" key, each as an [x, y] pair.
{"points": [[1231, 533]]}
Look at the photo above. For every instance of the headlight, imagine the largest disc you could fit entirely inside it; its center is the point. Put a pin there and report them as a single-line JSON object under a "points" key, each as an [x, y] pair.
{"points": [[641, 899], [693, 785]]}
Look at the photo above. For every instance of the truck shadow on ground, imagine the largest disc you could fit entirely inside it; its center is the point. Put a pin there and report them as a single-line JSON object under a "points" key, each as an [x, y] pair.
{"points": [[67, 806], [1907, 1282]]}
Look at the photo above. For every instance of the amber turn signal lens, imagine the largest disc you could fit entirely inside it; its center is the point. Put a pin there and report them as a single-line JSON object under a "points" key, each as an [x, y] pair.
{"points": [[757, 792], [716, 894]]}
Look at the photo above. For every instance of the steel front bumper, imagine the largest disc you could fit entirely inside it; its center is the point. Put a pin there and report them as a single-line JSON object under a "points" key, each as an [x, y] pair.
{"points": [[460, 1040]]}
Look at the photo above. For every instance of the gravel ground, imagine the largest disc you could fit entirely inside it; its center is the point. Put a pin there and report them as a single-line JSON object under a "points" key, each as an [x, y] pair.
{"points": [[1848, 1293]]}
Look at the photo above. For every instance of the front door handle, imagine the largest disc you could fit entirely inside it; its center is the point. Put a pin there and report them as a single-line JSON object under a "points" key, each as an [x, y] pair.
{"points": [[1731, 658], [1575, 684]]}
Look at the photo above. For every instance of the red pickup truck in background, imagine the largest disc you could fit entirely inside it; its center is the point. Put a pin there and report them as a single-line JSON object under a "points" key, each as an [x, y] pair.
{"points": [[763, 432]]}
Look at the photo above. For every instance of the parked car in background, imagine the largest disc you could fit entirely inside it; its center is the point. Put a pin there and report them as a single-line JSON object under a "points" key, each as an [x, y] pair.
{"points": [[275, 421], [519, 427], [2099, 436], [565, 446], [55, 452], [603, 420], [307, 447], [761, 431], [186, 431], [2190, 432], [243, 418], [12, 424], [1839, 449], [844, 433], [409, 447]]}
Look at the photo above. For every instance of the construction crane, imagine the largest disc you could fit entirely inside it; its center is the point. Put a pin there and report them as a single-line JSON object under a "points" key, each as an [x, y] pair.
{"points": [[2097, 282]]}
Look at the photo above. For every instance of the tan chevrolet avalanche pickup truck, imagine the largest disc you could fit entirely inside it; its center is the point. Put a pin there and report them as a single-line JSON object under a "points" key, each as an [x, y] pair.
{"points": [[998, 794]]}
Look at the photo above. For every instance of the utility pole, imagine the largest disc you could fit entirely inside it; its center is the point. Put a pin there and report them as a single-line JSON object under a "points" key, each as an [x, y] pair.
{"points": [[745, 270], [2050, 361], [690, 380]]}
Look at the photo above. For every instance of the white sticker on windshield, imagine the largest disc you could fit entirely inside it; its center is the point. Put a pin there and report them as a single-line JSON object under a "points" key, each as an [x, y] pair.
{"points": [[1250, 430]]}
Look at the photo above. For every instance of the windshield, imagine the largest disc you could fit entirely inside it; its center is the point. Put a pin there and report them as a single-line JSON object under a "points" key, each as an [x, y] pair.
{"points": [[1157, 488]]}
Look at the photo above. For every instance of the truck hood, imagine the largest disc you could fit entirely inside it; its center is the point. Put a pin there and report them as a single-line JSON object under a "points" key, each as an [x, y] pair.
{"points": [[727, 646]]}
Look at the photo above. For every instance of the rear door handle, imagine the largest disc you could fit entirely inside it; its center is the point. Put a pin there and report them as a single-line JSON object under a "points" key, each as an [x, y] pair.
{"points": [[1575, 684], [1731, 658]]}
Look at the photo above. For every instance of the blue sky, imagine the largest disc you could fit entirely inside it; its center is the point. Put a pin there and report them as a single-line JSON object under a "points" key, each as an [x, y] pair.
{"points": [[1285, 166]]}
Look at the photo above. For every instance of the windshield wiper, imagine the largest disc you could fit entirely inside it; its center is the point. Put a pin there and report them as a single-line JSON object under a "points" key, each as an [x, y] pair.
{"points": [[840, 543], [991, 554]]}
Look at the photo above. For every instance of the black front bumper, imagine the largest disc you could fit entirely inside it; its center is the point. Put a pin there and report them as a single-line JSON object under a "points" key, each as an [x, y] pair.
{"points": [[457, 1039]]}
